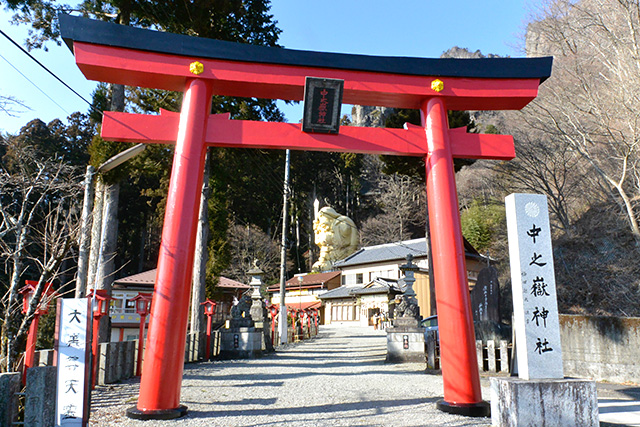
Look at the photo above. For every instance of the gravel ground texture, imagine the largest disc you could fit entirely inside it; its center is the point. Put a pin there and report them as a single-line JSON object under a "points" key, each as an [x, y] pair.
{"points": [[339, 378]]}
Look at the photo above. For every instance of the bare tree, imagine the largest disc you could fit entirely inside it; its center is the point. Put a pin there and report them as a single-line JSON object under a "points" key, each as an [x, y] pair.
{"points": [[248, 245], [592, 101], [38, 220], [545, 166], [477, 182], [401, 199], [11, 106]]}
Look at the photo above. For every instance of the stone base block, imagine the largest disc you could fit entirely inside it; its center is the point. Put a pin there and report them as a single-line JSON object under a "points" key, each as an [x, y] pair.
{"points": [[244, 343], [40, 401], [405, 346], [9, 386], [542, 402]]}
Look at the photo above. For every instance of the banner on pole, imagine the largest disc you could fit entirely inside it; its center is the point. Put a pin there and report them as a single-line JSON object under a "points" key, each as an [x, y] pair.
{"points": [[72, 360]]}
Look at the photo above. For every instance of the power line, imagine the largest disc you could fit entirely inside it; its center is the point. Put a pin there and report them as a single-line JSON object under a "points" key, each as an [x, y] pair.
{"points": [[35, 85], [48, 71]]}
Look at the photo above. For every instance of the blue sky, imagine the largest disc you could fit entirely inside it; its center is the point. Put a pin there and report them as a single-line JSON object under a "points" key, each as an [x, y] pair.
{"points": [[423, 28]]}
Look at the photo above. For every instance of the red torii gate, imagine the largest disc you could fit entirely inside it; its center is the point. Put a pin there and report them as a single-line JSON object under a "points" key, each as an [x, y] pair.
{"points": [[203, 67]]}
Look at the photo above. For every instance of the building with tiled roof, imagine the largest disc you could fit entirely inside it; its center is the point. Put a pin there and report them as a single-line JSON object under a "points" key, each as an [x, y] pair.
{"points": [[124, 320], [302, 291], [374, 271]]}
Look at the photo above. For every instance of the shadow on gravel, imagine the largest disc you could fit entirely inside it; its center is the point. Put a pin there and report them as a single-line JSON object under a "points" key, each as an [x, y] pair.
{"points": [[319, 366], [633, 392], [338, 408], [269, 377], [114, 395], [262, 384], [612, 406]]}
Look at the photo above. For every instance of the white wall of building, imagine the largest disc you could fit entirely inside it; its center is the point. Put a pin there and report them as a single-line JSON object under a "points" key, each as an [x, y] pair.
{"points": [[363, 274]]}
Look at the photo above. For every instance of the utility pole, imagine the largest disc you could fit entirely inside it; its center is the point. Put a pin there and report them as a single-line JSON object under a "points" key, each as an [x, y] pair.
{"points": [[90, 242], [85, 233], [198, 290], [282, 323]]}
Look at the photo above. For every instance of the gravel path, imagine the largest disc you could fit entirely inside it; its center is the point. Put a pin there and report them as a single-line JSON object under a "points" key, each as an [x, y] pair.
{"points": [[337, 379]]}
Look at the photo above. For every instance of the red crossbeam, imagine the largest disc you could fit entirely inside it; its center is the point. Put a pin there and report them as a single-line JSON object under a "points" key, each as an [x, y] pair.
{"points": [[223, 132], [270, 81]]}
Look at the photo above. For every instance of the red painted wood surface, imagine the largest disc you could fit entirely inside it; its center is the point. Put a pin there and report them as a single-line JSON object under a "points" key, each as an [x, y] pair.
{"points": [[455, 321], [30, 350], [161, 71], [194, 129], [251, 134], [164, 361]]}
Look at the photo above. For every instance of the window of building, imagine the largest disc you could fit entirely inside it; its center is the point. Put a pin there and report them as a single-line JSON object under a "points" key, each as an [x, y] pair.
{"points": [[116, 305], [359, 278], [130, 306], [118, 302]]}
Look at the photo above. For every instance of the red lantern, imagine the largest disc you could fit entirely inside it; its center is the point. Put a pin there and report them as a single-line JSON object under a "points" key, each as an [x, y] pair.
{"points": [[209, 307], [100, 307], [143, 303], [143, 306], [273, 309], [315, 318], [209, 310], [100, 302], [27, 294], [43, 308]]}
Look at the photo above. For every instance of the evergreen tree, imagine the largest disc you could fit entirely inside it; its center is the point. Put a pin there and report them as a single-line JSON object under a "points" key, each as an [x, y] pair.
{"points": [[414, 166]]}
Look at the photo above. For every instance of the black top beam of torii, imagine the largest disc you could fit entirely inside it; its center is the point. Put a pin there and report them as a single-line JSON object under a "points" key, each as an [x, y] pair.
{"points": [[76, 29]]}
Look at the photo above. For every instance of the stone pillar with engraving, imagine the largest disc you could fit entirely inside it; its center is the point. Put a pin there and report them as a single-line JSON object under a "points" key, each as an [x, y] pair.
{"points": [[541, 395], [405, 339]]}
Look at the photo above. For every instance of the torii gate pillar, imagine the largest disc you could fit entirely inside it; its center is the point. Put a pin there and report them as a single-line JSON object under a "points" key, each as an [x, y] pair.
{"points": [[462, 393], [164, 360], [114, 53]]}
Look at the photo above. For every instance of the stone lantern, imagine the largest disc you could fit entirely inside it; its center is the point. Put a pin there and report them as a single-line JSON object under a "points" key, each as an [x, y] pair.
{"points": [[405, 340], [258, 310], [258, 307], [408, 312]]}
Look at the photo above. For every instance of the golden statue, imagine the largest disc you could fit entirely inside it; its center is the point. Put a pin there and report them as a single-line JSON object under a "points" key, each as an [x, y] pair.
{"points": [[336, 235]]}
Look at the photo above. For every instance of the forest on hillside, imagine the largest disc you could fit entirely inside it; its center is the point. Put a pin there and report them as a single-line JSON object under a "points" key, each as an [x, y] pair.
{"points": [[576, 143]]}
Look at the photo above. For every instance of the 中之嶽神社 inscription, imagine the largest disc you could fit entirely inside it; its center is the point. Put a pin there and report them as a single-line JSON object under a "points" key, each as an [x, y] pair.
{"points": [[322, 105], [535, 304]]}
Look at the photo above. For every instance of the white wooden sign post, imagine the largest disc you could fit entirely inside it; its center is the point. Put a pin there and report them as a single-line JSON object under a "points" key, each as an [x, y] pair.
{"points": [[535, 304], [71, 346]]}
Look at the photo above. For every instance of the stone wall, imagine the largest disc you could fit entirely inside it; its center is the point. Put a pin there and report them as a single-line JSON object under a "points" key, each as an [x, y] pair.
{"points": [[116, 361], [194, 350], [602, 348]]}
